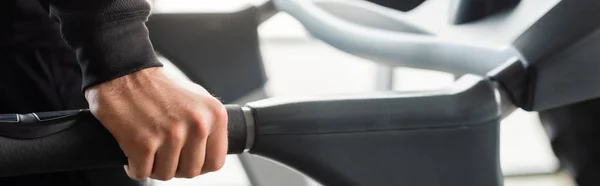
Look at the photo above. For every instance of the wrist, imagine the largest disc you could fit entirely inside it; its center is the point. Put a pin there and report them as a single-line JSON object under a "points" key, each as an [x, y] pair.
{"points": [[131, 81]]}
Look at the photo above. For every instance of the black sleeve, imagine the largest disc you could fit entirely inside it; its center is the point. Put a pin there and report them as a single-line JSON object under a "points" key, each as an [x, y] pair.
{"points": [[109, 37]]}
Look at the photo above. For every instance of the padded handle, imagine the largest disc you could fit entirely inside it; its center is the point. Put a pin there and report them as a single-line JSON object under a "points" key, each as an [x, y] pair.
{"points": [[75, 140], [402, 45]]}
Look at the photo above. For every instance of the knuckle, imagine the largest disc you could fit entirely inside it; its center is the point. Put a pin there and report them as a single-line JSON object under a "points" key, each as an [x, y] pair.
{"points": [[147, 150], [221, 113], [175, 133], [218, 110], [200, 127], [145, 145]]}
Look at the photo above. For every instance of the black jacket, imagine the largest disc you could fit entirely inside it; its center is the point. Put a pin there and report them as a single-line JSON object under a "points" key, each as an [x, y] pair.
{"points": [[109, 36]]}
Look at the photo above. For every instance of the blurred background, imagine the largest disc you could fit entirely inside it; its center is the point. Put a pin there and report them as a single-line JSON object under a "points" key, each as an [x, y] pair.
{"points": [[298, 65]]}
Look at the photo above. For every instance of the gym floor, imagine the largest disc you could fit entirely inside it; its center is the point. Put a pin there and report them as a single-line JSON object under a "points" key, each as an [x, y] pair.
{"points": [[299, 66]]}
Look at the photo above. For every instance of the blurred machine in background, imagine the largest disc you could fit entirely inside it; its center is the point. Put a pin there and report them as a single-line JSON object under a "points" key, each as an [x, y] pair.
{"points": [[456, 37]]}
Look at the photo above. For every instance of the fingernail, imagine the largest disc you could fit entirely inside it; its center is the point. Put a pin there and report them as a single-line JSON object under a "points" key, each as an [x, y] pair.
{"points": [[129, 173]]}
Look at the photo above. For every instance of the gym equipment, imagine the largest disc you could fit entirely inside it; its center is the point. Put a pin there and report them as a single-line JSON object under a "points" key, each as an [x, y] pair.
{"points": [[388, 138], [385, 139]]}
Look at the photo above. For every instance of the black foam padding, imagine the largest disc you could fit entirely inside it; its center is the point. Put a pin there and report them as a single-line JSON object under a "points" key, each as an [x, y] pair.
{"points": [[236, 129], [85, 145]]}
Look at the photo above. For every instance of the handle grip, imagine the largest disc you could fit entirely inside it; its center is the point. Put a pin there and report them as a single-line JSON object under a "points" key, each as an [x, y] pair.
{"points": [[75, 140]]}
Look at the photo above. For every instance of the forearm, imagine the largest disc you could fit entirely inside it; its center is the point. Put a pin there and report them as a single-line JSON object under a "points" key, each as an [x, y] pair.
{"points": [[109, 36]]}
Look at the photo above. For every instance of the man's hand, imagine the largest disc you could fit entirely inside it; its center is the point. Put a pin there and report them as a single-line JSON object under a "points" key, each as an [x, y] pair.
{"points": [[166, 127]]}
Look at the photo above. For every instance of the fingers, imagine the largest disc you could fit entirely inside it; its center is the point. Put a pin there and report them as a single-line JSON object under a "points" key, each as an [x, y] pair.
{"points": [[167, 156], [185, 150], [217, 150], [193, 154], [217, 141], [192, 158], [206, 148], [140, 164]]}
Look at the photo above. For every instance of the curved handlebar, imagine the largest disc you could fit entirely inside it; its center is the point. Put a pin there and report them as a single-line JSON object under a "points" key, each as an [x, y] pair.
{"points": [[408, 47], [75, 140]]}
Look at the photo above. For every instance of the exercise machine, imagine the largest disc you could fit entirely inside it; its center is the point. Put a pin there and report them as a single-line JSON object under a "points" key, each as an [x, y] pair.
{"points": [[386, 138]]}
